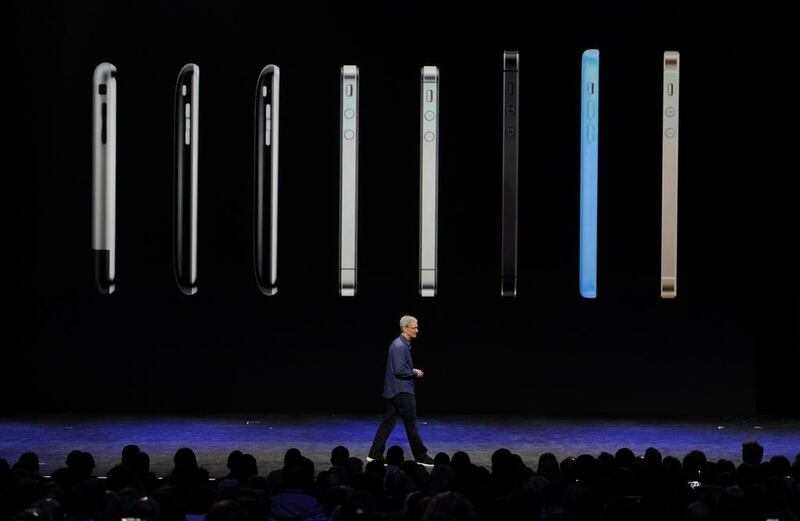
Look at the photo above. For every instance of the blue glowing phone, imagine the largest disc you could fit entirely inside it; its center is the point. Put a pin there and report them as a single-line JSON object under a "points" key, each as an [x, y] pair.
{"points": [[590, 119]]}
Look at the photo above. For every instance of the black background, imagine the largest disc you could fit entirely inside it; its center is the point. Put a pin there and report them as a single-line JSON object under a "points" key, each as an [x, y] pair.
{"points": [[727, 345]]}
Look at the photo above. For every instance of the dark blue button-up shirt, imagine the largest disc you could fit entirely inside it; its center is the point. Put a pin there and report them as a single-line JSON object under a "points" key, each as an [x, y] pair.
{"points": [[399, 369]]}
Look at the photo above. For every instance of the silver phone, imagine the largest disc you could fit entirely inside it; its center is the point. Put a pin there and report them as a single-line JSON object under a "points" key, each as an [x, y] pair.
{"points": [[348, 181], [104, 176], [669, 175], [187, 123], [429, 180], [265, 227]]}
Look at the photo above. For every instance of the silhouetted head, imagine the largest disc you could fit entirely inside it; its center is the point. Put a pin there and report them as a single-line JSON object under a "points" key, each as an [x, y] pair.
{"points": [[394, 456], [291, 456], [653, 456], [339, 456], [74, 460], [129, 454], [624, 458], [780, 466], [460, 461], [28, 461], [693, 464], [441, 458], [375, 468], [752, 452], [606, 459], [354, 466], [80, 464], [234, 462], [547, 466], [185, 457], [142, 463], [568, 469], [502, 465], [249, 467], [725, 466]]}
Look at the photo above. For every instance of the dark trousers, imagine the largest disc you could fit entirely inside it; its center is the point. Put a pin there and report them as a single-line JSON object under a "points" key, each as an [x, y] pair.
{"points": [[403, 405]]}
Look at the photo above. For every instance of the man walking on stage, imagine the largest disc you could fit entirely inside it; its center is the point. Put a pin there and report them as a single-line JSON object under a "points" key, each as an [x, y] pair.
{"points": [[398, 391]]}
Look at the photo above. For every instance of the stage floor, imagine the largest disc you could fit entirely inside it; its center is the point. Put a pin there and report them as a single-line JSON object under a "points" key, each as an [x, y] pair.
{"points": [[268, 437]]}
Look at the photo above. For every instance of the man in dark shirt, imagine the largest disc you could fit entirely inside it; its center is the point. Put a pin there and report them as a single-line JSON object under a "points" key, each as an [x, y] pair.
{"points": [[398, 391]]}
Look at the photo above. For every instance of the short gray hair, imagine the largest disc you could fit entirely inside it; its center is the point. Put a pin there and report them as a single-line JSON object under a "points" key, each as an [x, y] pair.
{"points": [[406, 321]]}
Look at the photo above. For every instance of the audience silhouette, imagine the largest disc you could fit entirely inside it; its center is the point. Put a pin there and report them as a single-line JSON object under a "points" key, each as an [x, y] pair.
{"points": [[604, 487]]}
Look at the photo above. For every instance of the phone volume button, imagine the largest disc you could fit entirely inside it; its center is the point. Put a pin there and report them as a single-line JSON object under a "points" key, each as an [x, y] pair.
{"points": [[188, 124], [103, 127]]}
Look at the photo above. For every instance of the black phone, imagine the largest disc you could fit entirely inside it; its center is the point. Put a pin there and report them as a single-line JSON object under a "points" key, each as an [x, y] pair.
{"points": [[187, 110], [508, 275], [265, 211]]}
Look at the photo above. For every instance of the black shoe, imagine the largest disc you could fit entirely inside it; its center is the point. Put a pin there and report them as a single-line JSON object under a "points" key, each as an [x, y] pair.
{"points": [[425, 460]]}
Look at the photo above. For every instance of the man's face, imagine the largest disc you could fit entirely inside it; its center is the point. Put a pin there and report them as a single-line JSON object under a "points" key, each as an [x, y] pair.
{"points": [[411, 330]]}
